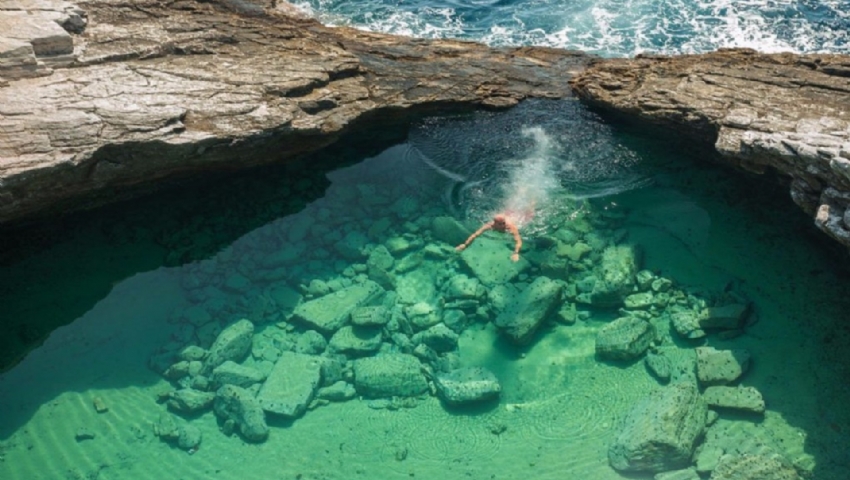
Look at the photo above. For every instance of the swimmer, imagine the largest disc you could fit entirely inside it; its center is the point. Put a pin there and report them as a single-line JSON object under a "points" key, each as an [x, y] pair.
{"points": [[500, 223]]}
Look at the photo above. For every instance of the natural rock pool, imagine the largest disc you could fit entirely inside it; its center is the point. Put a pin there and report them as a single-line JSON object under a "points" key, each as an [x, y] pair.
{"points": [[315, 321]]}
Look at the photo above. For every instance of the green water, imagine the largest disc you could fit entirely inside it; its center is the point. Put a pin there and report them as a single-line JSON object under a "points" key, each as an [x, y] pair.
{"points": [[108, 290]]}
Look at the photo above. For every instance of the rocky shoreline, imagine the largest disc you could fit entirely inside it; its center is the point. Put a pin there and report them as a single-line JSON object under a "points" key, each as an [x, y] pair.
{"points": [[102, 95], [782, 112]]}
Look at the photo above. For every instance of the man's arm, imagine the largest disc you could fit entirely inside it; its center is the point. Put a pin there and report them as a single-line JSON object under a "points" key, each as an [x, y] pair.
{"points": [[484, 228], [517, 240]]}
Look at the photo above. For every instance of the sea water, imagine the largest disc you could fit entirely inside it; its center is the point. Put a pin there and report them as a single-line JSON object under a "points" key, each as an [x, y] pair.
{"points": [[607, 27], [114, 294]]}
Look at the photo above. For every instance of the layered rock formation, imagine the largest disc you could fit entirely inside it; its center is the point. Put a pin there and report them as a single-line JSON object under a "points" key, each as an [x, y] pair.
{"points": [[787, 112], [109, 93]]}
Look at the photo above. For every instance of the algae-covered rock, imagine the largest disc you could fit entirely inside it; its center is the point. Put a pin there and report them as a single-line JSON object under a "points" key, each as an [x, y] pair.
{"points": [[489, 260], [337, 392], [529, 308], [461, 286], [239, 406], [327, 314], [370, 316], [728, 317], [719, 367], [235, 374], [356, 340], [449, 230], [390, 375], [626, 338], [660, 365], [439, 337], [189, 400], [352, 245], [467, 385], [687, 324], [233, 343], [291, 385], [661, 430], [737, 398], [754, 467], [619, 266]]}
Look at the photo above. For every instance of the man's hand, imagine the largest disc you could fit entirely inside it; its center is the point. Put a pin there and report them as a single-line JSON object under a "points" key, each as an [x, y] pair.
{"points": [[515, 257]]}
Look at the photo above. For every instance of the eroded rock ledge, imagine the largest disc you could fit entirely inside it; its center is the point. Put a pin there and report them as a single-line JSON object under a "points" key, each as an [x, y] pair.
{"points": [[108, 93], [781, 111]]}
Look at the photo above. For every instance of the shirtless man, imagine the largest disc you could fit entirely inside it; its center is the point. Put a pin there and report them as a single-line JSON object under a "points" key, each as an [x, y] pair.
{"points": [[500, 223]]}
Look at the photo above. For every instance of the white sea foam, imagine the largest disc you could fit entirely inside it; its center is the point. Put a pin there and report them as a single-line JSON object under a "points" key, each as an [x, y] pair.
{"points": [[609, 27]]}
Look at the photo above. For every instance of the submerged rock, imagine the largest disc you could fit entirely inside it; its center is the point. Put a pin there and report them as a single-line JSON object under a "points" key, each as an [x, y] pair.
{"points": [[626, 338], [291, 385], [754, 467], [661, 430], [356, 340], [737, 398], [189, 400], [390, 375], [719, 367], [327, 314], [529, 309], [231, 373], [467, 385], [233, 343], [239, 406]]}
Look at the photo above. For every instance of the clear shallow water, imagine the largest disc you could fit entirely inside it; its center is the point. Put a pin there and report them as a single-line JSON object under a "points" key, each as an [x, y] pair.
{"points": [[124, 277], [607, 27]]}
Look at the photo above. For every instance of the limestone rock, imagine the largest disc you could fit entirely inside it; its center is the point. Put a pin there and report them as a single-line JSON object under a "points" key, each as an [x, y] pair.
{"points": [[719, 367], [529, 309], [728, 317], [239, 406], [327, 314], [291, 385], [687, 324], [489, 260], [233, 343], [618, 271], [781, 111], [661, 430], [370, 316], [135, 108], [356, 340], [231, 373], [440, 338], [390, 375], [626, 338], [753, 467], [449, 230], [738, 398], [188, 400], [660, 365], [337, 392], [467, 385]]}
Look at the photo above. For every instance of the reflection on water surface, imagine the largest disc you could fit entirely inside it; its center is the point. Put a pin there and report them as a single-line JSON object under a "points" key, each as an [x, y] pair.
{"points": [[334, 300]]}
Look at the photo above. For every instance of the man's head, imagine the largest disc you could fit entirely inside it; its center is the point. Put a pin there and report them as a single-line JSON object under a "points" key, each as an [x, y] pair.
{"points": [[499, 219]]}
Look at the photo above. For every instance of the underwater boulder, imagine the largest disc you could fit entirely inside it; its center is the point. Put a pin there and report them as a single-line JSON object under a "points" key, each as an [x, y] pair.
{"points": [[449, 230], [467, 385], [661, 430], [188, 400], [291, 385], [327, 314], [616, 277], [754, 467], [719, 367], [746, 399], [233, 343], [239, 406], [390, 375], [530, 308], [490, 262], [439, 337], [626, 338], [232, 373], [356, 340]]}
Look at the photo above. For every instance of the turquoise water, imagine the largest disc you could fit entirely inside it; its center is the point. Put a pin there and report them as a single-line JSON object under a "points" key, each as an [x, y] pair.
{"points": [[608, 27], [116, 293]]}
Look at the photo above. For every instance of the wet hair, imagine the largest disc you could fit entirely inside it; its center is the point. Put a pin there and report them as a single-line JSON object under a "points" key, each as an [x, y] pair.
{"points": [[499, 217]]}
